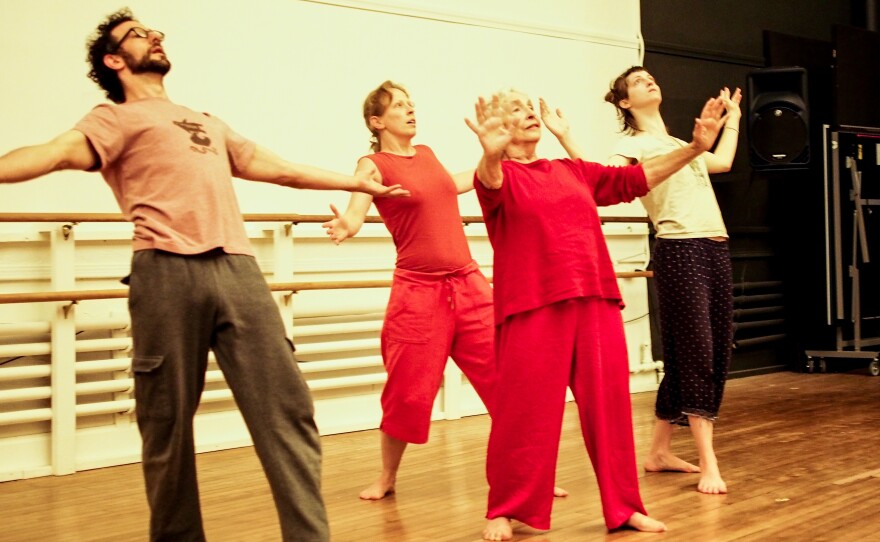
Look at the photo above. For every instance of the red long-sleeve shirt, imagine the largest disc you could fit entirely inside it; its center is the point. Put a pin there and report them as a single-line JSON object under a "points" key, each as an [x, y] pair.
{"points": [[544, 226]]}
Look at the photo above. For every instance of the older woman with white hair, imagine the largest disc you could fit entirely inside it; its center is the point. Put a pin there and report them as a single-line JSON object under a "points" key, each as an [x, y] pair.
{"points": [[557, 313]]}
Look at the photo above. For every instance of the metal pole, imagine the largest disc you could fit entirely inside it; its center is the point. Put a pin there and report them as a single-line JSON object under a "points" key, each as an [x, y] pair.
{"points": [[871, 15]]}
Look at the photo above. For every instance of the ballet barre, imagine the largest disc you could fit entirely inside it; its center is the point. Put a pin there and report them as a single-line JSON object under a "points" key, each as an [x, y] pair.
{"points": [[289, 218], [293, 287], [78, 218]]}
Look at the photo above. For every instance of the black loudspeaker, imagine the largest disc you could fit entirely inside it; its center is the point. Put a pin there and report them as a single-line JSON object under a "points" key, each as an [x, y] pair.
{"points": [[778, 122]]}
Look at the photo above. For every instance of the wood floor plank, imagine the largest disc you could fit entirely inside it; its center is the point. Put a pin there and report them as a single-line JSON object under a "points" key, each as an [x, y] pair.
{"points": [[800, 454]]}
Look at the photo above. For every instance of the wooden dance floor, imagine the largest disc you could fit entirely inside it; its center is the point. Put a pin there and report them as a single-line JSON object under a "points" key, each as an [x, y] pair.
{"points": [[800, 454]]}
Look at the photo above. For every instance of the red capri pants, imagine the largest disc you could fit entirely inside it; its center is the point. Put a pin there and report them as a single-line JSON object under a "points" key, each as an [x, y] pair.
{"points": [[431, 317], [577, 343]]}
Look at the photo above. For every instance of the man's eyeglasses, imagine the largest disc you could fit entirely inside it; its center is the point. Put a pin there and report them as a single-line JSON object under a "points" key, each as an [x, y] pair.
{"points": [[139, 32]]}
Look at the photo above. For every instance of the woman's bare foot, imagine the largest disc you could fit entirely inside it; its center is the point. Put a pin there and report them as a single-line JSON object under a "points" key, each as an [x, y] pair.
{"points": [[379, 489], [711, 482], [498, 529], [641, 522], [667, 462], [559, 492]]}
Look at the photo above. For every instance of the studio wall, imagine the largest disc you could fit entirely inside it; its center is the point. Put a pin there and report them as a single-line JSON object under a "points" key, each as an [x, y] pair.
{"points": [[292, 75]]}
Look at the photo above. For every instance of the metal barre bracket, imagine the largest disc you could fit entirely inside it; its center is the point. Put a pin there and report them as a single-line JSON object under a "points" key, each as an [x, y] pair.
{"points": [[67, 229]]}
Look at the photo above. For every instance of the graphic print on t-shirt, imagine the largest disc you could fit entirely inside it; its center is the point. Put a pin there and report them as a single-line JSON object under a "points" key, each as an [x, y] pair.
{"points": [[195, 130]]}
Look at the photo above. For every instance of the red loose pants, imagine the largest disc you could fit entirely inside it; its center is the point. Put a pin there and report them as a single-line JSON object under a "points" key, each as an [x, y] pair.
{"points": [[430, 318], [577, 343]]}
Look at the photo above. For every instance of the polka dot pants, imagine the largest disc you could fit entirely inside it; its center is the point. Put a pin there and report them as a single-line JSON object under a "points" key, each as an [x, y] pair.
{"points": [[695, 288]]}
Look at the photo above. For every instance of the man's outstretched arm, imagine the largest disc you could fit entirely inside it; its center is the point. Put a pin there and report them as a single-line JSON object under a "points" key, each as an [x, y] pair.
{"points": [[70, 150], [268, 167]]}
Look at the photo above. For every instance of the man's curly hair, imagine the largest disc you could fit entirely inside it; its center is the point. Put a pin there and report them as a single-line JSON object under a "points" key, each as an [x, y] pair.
{"points": [[100, 44]]}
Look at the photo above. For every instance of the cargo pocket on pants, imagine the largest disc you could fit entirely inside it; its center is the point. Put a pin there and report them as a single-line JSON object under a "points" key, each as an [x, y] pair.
{"points": [[151, 393], [410, 314]]}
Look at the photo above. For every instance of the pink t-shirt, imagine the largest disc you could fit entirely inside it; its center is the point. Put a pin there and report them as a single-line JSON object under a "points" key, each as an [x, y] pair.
{"points": [[171, 170], [544, 226], [426, 227]]}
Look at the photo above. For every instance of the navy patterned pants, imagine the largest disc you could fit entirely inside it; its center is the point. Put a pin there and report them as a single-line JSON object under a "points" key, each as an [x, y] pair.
{"points": [[695, 289]]}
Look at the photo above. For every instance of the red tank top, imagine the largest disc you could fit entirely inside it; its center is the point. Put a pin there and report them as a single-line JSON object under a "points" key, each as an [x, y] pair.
{"points": [[426, 227]]}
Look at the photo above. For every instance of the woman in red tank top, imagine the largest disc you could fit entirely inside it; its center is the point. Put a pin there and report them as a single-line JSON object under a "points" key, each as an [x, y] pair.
{"points": [[440, 303]]}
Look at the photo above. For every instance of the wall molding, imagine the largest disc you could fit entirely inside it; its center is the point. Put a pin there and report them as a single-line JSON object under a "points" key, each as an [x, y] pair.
{"points": [[498, 23]]}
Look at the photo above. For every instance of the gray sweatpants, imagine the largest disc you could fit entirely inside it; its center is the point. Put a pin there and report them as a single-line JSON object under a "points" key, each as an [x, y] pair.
{"points": [[182, 306]]}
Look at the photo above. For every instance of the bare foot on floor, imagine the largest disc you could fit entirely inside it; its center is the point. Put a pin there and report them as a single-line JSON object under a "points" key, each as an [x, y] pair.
{"points": [[559, 492], [668, 463], [711, 482], [377, 490], [641, 522], [498, 529]]}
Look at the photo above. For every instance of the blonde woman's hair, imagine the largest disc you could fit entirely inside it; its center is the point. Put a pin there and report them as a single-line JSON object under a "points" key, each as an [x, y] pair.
{"points": [[375, 105]]}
